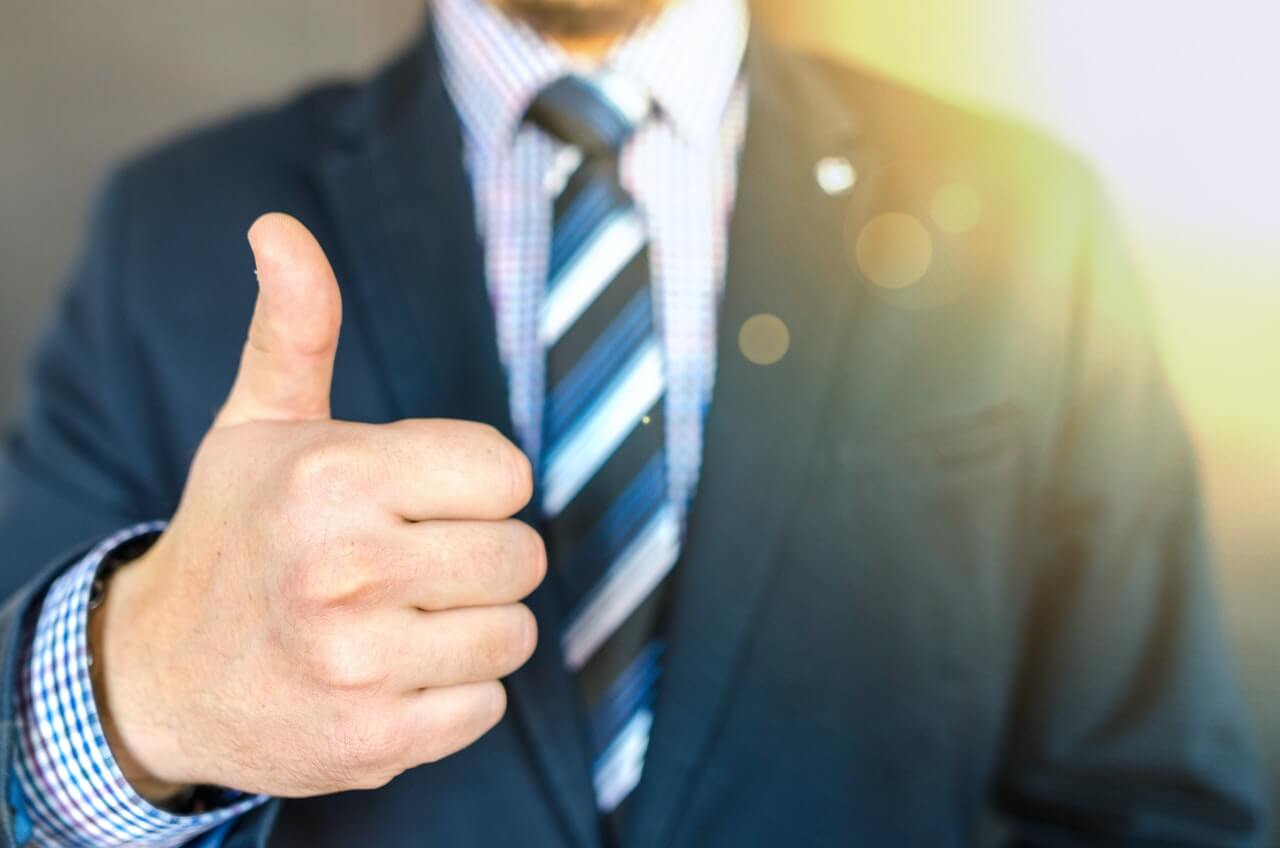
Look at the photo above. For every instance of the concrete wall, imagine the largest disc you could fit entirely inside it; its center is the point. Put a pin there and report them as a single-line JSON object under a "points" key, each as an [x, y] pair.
{"points": [[83, 83]]}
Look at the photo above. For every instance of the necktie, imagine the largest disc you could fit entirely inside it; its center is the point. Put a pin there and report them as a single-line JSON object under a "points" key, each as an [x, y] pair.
{"points": [[612, 531]]}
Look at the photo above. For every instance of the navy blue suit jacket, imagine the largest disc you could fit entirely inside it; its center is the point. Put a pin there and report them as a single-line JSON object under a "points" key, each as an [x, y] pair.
{"points": [[946, 558]]}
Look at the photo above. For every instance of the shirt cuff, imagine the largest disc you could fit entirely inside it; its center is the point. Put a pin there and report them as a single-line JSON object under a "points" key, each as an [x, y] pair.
{"points": [[72, 789]]}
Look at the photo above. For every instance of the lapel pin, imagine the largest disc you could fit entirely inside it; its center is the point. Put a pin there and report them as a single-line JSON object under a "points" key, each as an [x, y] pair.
{"points": [[836, 175]]}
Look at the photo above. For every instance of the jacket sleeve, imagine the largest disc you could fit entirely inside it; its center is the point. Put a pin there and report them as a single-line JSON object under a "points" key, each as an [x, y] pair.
{"points": [[81, 461], [1127, 727]]}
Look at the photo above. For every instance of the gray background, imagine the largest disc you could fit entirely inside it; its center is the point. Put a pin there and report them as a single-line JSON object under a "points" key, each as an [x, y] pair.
{"points": [[83, 83]]}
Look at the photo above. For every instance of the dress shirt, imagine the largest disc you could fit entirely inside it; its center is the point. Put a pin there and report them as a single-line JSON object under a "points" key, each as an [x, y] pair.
{"points": [[681, 168]]}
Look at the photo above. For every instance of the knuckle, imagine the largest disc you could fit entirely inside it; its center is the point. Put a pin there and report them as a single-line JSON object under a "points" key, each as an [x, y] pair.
{"points": [[512, 468], [533, 557], [306, 583], [343, 663], [497, 703], [326, 472], [527, 633], [510, 642], [339, 579], [519, 471]]}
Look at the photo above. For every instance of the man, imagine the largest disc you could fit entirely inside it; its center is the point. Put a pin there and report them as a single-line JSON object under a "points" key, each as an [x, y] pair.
{"points": [[867, 514]]}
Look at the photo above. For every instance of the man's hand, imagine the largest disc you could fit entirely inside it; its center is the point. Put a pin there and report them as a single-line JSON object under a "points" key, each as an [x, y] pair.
{"points": [[333, 603]]}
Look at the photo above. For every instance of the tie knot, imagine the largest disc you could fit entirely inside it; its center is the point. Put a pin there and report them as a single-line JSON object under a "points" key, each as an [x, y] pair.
{"points": [[596, 115]]}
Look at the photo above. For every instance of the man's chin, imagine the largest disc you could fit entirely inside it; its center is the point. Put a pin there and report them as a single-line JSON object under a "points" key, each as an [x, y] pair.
{"points": [[581, 18]]}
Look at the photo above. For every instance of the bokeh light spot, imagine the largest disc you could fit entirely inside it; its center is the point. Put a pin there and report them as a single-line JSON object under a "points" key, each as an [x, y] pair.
{"points": [[835, 175], [764, 339], [894, 250], [957, 208]]}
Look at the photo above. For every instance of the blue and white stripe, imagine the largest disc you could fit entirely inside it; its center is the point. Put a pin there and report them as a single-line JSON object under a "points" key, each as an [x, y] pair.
{"points": [[633, 576], [591, 268], [605, 376], [597, 434]]}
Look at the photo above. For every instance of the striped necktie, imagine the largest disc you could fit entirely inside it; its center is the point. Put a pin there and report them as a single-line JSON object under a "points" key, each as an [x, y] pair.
{"points": [[612, 531]]}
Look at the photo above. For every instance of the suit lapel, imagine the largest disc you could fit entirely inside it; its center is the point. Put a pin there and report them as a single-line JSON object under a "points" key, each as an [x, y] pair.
{"points": [[786, 260], [405, 217]]}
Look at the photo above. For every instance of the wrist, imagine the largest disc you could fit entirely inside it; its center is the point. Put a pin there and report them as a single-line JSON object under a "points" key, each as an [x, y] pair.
{"points": [[116, 638]]}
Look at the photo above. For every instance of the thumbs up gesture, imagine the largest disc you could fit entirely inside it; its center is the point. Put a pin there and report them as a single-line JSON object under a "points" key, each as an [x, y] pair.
{"points": [[333, 602]]}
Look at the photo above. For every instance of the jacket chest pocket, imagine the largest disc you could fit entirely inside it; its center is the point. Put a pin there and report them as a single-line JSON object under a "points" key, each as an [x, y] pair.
{"points": [[944, 498], [920, 532]]}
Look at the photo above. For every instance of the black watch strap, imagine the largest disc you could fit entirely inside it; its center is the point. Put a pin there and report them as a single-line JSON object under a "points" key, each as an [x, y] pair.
{"points": [[127, 552]]}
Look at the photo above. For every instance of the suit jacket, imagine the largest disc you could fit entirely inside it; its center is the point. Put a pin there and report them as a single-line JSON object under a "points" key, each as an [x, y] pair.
{"points": [[946, 560]]}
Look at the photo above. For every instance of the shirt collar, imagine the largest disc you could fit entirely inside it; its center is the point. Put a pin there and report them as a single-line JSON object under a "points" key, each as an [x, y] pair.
{"points": [[688, 59]]}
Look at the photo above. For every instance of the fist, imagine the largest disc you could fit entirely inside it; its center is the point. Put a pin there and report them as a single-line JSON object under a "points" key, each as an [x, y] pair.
{"points": [[333, 602]]}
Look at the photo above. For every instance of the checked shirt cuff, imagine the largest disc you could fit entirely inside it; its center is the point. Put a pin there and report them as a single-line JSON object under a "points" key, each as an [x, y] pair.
{"points": [[72, 792]]}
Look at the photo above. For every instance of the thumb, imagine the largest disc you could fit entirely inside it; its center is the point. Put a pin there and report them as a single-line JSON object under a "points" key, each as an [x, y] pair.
{"points": [[287, 365]]}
